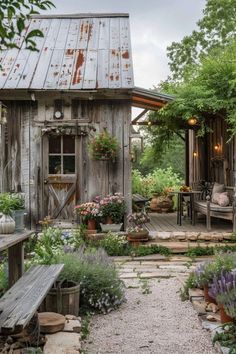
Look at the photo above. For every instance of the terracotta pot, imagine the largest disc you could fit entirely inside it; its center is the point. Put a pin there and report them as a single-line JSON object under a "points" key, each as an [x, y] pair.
{"points": [[207, 297], [161, 204], [140, 235], [224, 318], [109, 220], [91, 224]]}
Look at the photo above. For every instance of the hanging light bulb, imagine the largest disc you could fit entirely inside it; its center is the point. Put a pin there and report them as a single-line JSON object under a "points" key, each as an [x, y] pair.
{"points": [[192, 121]]}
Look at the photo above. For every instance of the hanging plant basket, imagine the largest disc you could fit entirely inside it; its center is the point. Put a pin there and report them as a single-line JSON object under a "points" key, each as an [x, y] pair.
{"points": [[104, 147]]}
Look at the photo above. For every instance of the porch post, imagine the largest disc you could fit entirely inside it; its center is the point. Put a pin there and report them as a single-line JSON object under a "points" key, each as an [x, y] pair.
{"points": [[186, 157]]}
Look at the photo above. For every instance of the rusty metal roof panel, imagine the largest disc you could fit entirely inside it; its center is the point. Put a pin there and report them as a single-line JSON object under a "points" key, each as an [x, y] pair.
{"points": [[76, 53]]}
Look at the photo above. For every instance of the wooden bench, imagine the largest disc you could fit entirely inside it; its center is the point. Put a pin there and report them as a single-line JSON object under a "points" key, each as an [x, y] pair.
{"points": [[206, 207], [21, 301]]}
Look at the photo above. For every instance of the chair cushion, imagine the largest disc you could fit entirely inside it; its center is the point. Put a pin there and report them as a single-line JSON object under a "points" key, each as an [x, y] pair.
{"points": [[223, 199], [215, 207], [217, 188]]}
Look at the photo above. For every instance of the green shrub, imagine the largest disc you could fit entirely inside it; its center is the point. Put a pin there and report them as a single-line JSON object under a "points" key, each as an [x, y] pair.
{"points": [[148, 250], [200, 251], [114, 245], [100, 287], [156, 182], [49, 246]]}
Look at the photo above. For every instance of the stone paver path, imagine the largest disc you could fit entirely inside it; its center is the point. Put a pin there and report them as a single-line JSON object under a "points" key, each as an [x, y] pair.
{"points": [[157, 322]]}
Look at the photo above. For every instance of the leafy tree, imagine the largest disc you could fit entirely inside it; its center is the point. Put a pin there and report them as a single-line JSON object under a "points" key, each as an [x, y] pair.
{"points": [[216, 29], [14, 15], [211, 92]]}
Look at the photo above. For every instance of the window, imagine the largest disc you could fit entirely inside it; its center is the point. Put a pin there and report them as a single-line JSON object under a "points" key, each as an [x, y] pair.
{"points": [[61, 154]]}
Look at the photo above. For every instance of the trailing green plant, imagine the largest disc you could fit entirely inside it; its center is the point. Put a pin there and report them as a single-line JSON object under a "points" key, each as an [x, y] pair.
{"points": [[101, 289], [190, 283], [227, 337]]}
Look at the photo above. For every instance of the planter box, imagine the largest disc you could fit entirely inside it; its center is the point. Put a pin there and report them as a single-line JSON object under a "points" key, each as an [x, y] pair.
{"points": [[111, 227]]}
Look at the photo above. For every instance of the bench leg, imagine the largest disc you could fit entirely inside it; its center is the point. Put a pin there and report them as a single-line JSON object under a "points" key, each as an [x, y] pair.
{"points": [[15, 262]]}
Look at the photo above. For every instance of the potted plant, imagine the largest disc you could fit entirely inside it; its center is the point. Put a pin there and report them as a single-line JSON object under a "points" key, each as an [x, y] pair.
{"points": [[89, 213], [18, 213], [7, 224], [207, 271], [136, 230], [112, 209], [223, 289], [103, 147], [162, 201]]}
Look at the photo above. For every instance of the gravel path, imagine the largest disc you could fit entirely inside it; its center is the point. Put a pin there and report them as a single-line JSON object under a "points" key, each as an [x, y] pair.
{"points": [[150, 323]]}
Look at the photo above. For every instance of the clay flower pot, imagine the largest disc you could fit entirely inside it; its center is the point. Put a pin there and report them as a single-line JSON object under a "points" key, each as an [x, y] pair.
{"points": [[207, 297], [91, 224], [109, 220], [224, 318]]}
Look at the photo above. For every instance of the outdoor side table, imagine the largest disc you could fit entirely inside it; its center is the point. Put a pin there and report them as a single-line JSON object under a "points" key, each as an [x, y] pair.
{"points": [[14, 244], [180, 197]]}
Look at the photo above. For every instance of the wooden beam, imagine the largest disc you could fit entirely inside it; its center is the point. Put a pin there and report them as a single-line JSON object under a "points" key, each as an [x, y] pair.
{"points": [[148, 101], [140, 116]]}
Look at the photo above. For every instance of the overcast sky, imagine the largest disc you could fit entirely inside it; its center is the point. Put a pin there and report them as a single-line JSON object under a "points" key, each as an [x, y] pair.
{"points": [[155, 24]]}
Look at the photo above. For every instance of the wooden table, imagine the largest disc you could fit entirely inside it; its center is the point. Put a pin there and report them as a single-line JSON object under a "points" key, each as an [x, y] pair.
{"points": [[180, 197], [14, 244]]}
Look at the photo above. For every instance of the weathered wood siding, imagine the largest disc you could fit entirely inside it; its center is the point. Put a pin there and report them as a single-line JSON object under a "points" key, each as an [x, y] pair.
{"points": [[210, 164], [24, 155]]}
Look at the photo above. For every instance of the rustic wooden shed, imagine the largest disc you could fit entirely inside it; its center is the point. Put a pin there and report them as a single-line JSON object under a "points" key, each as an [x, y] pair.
{"points": [[78, 83]]}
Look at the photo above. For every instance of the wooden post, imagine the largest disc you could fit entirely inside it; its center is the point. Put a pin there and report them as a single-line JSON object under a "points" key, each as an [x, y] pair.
{"points": [[15, 262], [208, 215], [187, 157]]}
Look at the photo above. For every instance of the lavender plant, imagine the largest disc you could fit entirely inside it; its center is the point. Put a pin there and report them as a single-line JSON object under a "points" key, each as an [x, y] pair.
{"points": [[223, 289], [207, 271], [101, 289]]}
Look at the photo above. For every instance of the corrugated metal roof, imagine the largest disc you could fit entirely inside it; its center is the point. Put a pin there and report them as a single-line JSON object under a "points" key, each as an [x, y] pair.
{"points": [[76, 53]]}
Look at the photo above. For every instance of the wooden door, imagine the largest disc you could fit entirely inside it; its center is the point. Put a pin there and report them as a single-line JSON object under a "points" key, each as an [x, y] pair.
{"points": [[60, 176]]}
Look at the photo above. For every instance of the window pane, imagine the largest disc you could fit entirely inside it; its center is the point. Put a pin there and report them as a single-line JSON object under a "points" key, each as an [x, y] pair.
{"points": [[55, 164], [68, 144], [54, 144], [69, 164]]}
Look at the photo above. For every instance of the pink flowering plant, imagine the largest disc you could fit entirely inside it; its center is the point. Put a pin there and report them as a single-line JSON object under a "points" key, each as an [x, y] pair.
{"points": [[137, 221], [112, 206], [103, 147], [88, 210]]}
